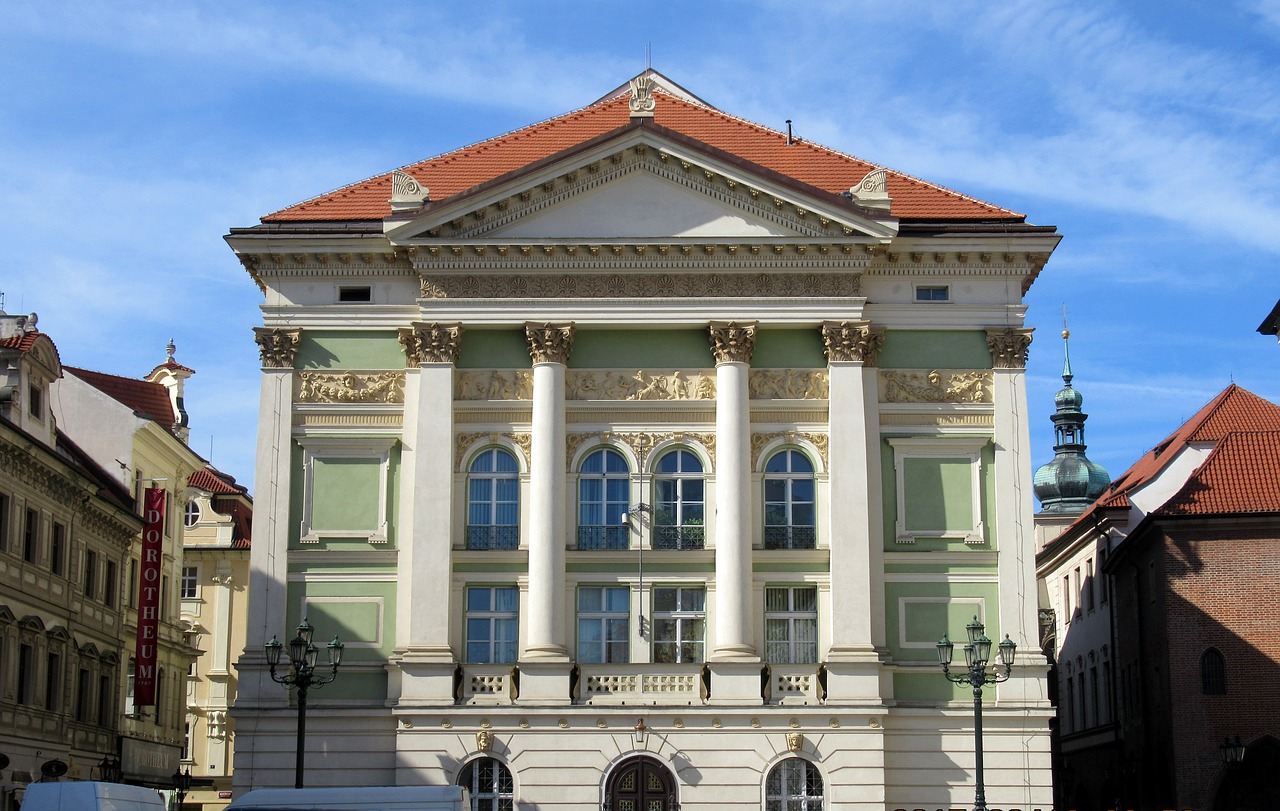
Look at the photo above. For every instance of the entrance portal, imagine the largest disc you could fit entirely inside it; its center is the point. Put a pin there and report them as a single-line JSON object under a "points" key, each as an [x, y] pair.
{"points": [[640, 784]]}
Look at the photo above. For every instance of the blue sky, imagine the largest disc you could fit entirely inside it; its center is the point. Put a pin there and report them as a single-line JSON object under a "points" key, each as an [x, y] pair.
{"points": [[134, 135]]}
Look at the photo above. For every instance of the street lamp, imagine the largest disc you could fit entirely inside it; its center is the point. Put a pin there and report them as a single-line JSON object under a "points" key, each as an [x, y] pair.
{"points": [[109, 769], [977, 653], [1232, 752], [302, 676], [181, 784]]}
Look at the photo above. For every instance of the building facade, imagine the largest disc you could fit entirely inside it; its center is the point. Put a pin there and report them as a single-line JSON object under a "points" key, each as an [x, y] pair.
{"points": [[214, 595], [1159, 589], [642, 456], [66, 529]]}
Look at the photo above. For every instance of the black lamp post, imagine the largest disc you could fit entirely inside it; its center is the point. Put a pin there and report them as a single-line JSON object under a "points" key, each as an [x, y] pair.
{"points": [[302, 676], [1232, 753], [181, 784], [976, 656], [109, 769]]}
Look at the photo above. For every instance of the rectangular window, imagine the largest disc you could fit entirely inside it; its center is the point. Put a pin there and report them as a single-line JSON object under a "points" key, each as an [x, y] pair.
{"points": [[31, 538], [1066, 598], [58, 549], [109, 588], [164, 597], [1104, 582], [1075, 588], [679, 624], [185, 755], [1070, 717], [83, 685], [190, 582], [604, 624], [104, 700], [4, 522], [791, 624], [1095, 695], [1088, 584], [348, 295], [130, 675], [1106, 693], [493, 625], [52, 682], [132, 596], [26, 669], [90, 573], [933, 292], [35, 401]]}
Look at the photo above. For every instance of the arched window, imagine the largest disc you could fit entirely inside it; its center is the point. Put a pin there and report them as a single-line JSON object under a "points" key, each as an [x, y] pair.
{"points": [[191, 514], [604, 496], [1213, 673], [490, 785], [794, 784], [678, 502], [788, 502], [493, 501]]}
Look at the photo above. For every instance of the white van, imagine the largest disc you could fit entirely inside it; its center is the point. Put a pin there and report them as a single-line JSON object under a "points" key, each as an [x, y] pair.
{"points": [[88, 795], [368, 798]]}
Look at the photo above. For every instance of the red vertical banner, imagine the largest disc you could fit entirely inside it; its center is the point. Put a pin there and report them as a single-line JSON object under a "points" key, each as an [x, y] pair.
{"points": [[144, 682]]}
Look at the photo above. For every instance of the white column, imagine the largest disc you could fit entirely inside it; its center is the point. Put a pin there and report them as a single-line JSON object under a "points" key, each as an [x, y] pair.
{"points": [[1014, 530], [423, 656], [268, 557], [856, 515]]}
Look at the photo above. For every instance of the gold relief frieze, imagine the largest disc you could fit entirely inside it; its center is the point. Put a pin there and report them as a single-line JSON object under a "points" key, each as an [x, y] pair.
{"points": [[819, 441], [939, 420], [508, 384], [463, 441], [641, 385], [657, 417], [787, 384], [350, 387], [642, 443], [774, 284], [935, 387]]}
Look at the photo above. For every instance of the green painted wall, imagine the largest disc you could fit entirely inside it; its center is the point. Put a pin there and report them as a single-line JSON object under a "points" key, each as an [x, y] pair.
{"points": [[934, 349], [918, 614], [345, 497], [949, 505], [340, 349], [641, 349], [350, 609], [788, 349], [494, 349]]}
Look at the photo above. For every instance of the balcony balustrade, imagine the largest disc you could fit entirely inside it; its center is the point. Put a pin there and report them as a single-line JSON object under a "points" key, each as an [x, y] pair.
{"points": [[640, 684], [493, 537], [790, 537]]}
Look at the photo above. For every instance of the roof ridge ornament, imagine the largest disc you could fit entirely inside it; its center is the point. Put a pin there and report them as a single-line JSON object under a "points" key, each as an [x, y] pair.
{"points": [[642, 102], [872, 191], [407, 192]]}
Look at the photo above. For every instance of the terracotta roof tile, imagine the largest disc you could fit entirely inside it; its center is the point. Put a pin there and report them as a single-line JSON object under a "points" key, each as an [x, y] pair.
{"points": [[1239, 476], [216, 482], [22, 341], [805, 161], [150, 400]]}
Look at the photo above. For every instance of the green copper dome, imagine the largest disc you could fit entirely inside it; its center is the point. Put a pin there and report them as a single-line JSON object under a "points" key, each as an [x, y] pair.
{"points": [[1071, 482]]}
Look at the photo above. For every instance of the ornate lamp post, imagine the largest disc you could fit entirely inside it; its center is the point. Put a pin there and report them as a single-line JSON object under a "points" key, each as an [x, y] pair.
{"points": [[302, 676], [1232, 752], [976, 656], [109, 770], [181, 784]]}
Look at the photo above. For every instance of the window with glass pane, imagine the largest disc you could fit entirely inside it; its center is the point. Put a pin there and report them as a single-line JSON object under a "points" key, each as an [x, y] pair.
{"points": [[190, 582], [493, 625], [493, 501], [794, 784], [604, 495], [490, 785], [791, 624], [788, 502], [678, 502], [679, 624], [604, 624]]}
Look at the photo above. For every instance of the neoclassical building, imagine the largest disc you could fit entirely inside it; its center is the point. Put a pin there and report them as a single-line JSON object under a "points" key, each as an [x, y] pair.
{"points": [[640, 457]]}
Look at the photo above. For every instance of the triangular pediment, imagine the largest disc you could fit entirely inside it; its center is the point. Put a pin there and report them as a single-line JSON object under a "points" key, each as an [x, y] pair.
{"points": [[638, 184]]}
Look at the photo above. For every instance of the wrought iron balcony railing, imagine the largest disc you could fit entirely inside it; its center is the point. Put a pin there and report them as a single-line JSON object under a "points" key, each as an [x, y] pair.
{"points": [[493, 537]]}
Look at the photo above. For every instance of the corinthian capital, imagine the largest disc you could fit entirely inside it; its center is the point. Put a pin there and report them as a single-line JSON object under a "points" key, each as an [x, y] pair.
{"points": [[852, 341], [278, 347], [1009, 347], [549, 343], [433, 343], [732, 342]]}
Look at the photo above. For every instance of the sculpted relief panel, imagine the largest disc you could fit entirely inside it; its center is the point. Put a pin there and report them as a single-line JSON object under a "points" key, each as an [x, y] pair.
{"points": [[935, 387], [644, 384], [351, 387]]}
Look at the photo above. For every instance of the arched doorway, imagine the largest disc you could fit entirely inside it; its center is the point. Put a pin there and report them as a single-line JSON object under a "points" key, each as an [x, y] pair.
{"points": [[640, 784]]}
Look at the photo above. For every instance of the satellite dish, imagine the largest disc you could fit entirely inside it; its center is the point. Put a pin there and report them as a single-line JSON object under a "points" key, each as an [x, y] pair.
{"points": [[53, 768]]}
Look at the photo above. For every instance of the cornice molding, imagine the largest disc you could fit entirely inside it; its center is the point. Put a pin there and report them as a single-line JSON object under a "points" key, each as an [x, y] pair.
{"points": [[647, 285]]}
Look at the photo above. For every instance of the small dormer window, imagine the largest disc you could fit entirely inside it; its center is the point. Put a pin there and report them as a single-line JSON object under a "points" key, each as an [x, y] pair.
{"points": [[35, 401], [933, 292], [355, 295], [191, 514]]}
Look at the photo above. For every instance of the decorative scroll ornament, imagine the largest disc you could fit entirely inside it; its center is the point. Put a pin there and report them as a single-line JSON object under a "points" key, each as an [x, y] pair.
{"points": [[732, 342], [278, 347], [463, 442], [819, 441], [1009, 347], [854, 341], [549, 343], [873, 190], [496, 385], [351, 387], [642, 101], [642, 443], [787, 384], [407, 192], [434, 343], [641, 385], [935, 387]]}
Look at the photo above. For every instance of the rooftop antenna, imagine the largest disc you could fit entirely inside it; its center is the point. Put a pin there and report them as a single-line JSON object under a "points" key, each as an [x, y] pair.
{"points": [[788, 132], [647, 62]]}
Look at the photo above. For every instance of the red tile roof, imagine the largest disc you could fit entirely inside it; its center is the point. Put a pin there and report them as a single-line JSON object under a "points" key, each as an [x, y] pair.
{"points": [[1239, 476], [1233, 410], [216, 482], [150, 400], [462, 169], [22, 341]]}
